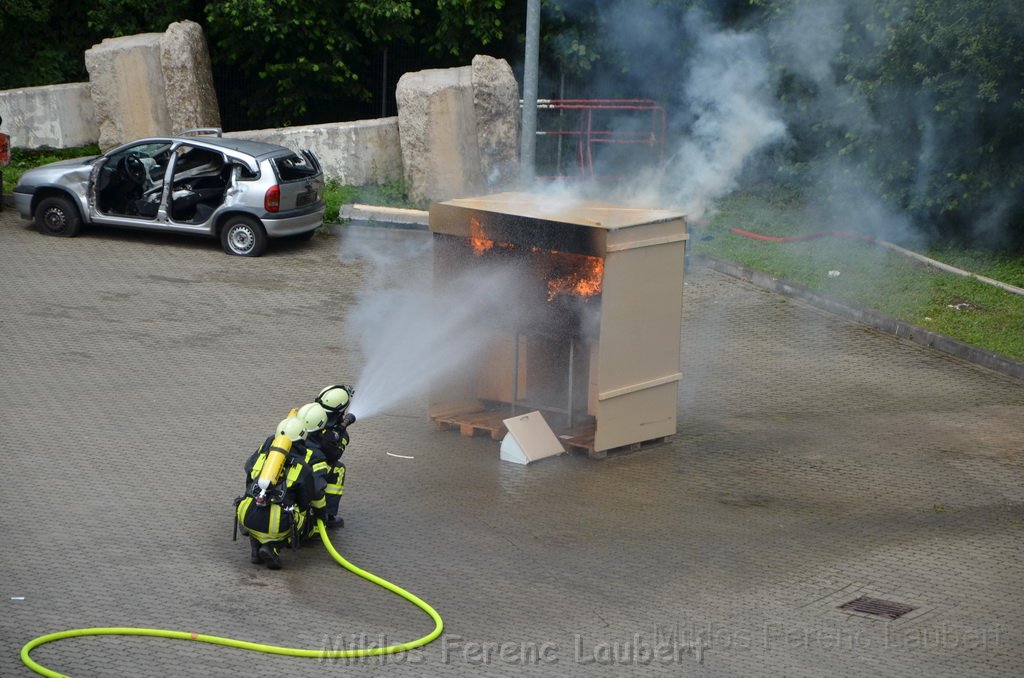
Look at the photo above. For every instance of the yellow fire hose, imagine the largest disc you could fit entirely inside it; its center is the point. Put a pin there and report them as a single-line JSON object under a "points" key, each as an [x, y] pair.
{"points": [[246, 645]]}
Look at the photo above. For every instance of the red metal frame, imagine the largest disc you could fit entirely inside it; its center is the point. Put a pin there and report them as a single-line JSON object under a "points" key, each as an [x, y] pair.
{"points": [[586, 135]]}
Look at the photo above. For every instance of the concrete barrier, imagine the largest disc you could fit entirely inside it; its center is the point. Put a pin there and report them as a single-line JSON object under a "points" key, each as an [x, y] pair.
{"points": [[354, 153], [56, 116]]}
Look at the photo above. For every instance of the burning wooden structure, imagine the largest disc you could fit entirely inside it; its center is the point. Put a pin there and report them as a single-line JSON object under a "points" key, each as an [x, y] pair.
{"points": [[586, 328]]}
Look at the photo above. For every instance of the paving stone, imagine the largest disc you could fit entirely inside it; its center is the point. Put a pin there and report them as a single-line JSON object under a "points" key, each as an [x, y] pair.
{"points": [[816, 461]]}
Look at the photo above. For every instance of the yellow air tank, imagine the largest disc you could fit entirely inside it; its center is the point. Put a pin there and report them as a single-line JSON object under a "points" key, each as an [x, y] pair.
{"points": [[279, 448], [274, 463]]}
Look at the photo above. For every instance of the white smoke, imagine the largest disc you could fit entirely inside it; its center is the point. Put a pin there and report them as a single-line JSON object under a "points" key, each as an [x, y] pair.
{"points": [[728, 93]]}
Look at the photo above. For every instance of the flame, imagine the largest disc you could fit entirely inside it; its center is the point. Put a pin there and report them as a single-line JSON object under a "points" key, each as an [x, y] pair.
{"points": [[575, 274], [477, 241], [583, 281]]}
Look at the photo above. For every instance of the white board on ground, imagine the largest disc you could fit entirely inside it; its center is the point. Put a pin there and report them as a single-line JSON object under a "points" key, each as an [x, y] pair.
{"points": [[529, 439]]}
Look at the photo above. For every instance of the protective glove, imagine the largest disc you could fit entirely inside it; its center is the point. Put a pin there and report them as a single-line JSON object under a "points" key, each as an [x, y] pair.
{"points": [[348, 420]]}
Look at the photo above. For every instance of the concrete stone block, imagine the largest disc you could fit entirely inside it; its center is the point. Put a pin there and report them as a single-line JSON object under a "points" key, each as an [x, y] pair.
{"points": [[57, 116], [128, 89], [152, 84], [437, 130], [188, 78], [354, 153], [496, 106]]}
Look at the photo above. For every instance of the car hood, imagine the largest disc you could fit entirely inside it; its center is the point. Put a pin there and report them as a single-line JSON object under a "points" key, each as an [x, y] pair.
{"points": [[47, 174], [73, 161]]}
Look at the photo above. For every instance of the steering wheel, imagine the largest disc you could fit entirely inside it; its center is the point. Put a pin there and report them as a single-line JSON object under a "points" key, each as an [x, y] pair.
{"points": [[135, 168]]}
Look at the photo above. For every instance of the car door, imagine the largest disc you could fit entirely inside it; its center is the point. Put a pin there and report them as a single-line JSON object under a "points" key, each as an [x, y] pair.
{"points": [[197, 179], [126, 185]]}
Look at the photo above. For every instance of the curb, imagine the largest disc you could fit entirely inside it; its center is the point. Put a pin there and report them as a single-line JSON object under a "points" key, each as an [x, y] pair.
{"points": [[874, 319], [395, 217]]}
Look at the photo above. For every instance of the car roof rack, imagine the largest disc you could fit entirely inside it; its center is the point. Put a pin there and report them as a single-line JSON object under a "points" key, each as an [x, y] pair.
{"points": [[201, 131]]}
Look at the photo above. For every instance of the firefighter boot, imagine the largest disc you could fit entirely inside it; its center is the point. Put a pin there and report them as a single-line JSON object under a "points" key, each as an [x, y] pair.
{"points": [[268, 554], [254, 551], [334, 521]]}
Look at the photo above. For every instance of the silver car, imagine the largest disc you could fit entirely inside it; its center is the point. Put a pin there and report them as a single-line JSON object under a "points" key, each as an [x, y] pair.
{"points": [[242, 192]]}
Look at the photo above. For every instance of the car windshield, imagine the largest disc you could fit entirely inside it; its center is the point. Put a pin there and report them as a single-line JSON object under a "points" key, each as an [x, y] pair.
{"points": [[157, 151]]}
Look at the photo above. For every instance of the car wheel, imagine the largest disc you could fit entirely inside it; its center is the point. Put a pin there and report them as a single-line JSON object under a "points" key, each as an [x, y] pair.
{"points": [[243, 237], [58, 216]]}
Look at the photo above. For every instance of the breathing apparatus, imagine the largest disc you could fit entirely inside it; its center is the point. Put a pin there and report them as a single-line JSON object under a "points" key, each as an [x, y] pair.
{"points": [[291, 429]]}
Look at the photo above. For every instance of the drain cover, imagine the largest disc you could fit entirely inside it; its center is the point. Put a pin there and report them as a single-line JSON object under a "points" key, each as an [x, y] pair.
{"points": [[877, 607]]}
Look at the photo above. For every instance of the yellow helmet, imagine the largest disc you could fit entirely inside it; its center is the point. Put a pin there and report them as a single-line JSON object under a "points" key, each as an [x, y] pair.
{"points": [[313, 416], [335, 398], [292, 428]]}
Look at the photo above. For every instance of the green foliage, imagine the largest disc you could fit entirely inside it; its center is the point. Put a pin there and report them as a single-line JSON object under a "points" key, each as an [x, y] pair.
{"points": [[42, 41], [927, 101], [391, 194], [307, 59], [335, 195], [115, 18]]}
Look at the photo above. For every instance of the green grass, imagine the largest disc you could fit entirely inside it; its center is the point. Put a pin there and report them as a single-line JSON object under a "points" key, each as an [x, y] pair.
{"points": [[392, 194], [873, 276]]}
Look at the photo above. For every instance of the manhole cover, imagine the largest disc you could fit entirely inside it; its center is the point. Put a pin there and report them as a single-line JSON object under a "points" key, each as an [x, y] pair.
{"points": [[877, 607]]}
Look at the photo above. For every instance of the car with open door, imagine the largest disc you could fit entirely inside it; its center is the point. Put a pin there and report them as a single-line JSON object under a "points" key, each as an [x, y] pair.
{"points": [[239, 191]]}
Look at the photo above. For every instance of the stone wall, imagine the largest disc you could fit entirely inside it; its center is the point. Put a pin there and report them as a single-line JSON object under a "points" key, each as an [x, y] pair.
{"points": [[58, 116], [354, 153]]}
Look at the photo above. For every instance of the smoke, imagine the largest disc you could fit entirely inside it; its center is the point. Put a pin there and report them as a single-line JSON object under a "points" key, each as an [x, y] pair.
{"points": [[728, 96], [717, 90], [829, 96]]}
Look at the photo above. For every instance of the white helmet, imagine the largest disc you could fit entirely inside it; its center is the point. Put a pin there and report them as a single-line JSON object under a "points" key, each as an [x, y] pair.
{"points": [[335, 398], [313, 416], [292, 428]]}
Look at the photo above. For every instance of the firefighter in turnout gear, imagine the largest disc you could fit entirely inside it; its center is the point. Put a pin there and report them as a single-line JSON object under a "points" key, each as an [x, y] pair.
{"points": [[314, 419], [283, 496], [332, 441]]}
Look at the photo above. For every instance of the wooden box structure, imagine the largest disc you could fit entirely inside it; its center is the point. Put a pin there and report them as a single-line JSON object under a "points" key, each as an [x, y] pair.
{"points": [[586, 328]]}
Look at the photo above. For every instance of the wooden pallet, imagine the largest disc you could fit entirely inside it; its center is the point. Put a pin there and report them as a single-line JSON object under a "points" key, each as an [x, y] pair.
{"points": [[582, 439], [474, 422]]}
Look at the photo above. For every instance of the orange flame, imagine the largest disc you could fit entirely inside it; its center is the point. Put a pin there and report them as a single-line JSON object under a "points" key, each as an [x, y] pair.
{"points": [[477, 241], [584, 276], [583, 281]]}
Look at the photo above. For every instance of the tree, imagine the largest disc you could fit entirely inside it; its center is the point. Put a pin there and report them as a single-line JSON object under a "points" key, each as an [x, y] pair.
{"points": [[922, 99], [292, 61], [42, 42]]}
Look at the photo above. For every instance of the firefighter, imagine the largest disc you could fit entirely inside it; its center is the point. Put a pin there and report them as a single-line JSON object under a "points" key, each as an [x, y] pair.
{"points": [[282, 510], [333, 440], [314, 419]]}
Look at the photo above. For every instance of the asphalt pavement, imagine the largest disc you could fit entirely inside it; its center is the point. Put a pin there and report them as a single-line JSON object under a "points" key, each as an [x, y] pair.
{"points": [[817, 462]]}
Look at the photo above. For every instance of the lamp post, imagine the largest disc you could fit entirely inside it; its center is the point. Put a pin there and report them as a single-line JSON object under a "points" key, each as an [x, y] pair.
{"points": [[528, 142]]}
